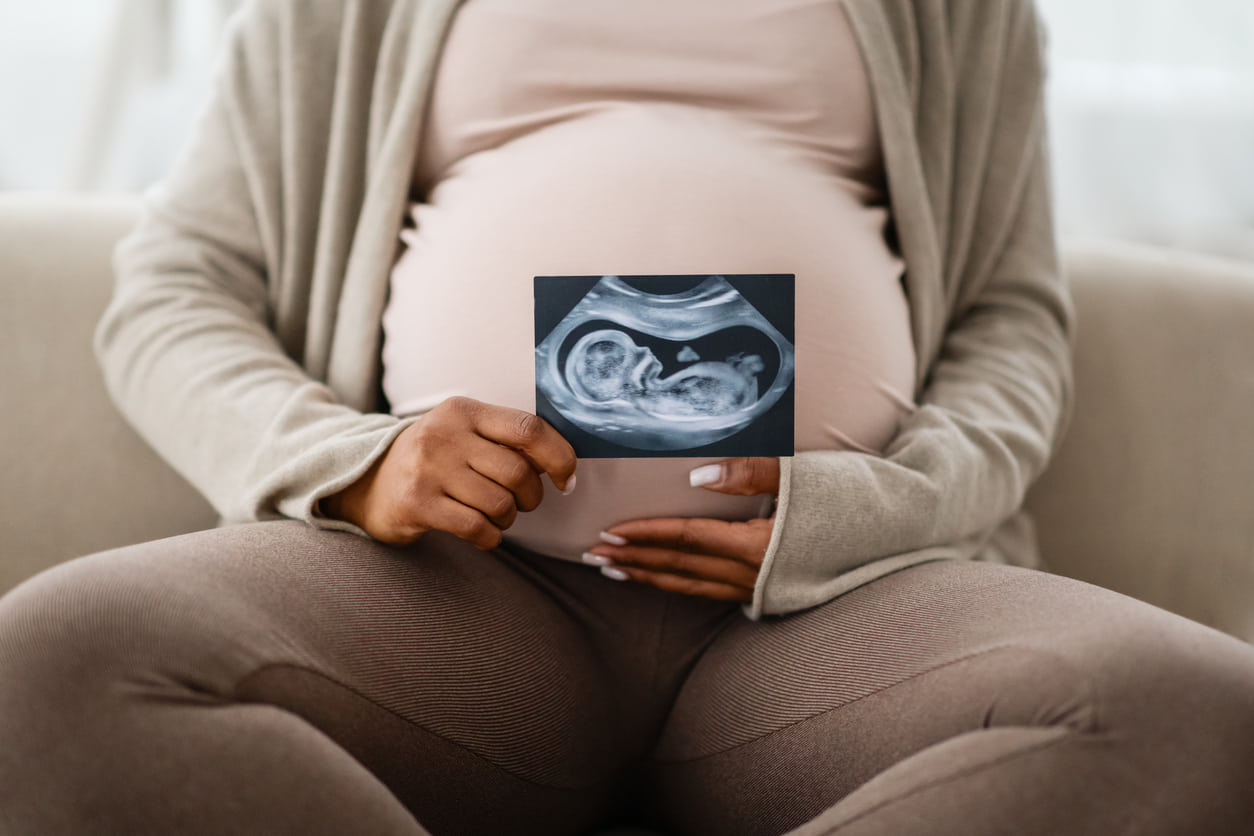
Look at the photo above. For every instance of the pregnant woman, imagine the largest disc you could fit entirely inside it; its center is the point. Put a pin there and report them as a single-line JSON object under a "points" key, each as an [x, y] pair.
{"points": [[433, 619]]}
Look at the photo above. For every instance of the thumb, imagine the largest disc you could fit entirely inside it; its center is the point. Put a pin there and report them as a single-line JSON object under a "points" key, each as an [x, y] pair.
{"points": [[738, 477]]}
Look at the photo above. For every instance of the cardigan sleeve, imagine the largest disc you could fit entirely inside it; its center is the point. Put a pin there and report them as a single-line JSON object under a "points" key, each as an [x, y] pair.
{"points": [[188, 344], [996, 399]]}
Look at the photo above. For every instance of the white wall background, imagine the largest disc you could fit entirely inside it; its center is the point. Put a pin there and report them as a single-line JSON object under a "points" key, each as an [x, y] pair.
{"points": [[98, 94], [1152, 105]]}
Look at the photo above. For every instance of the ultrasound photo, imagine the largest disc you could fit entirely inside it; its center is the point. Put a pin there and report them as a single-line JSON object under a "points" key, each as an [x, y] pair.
{"points": [[647, 366]]}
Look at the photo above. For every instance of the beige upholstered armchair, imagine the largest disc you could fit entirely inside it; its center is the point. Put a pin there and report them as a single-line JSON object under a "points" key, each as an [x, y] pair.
{"points": [[1151, 494]]}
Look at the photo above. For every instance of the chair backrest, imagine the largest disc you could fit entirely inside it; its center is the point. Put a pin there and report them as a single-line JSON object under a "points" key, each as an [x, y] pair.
{"points": [[1152, 491], [77, 479]]}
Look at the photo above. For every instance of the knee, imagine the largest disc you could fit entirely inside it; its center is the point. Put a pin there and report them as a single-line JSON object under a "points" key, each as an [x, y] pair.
{"points": [[1169, 666], [60, 620], [1178, 691], [76, 628]]}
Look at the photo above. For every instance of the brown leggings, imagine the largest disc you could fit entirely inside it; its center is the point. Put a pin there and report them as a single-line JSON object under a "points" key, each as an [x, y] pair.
{"points": [[272, 678]]}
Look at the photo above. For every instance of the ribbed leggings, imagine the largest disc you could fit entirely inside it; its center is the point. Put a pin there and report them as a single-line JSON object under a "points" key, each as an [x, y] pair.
{"points": [[272, 678]]}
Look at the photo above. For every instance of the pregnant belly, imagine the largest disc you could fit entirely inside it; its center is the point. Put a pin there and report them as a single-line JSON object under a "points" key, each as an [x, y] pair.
{"points": [[645, 190]]}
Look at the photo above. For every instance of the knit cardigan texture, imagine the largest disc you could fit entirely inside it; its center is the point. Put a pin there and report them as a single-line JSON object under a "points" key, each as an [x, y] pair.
{"points": [[243, 338]]}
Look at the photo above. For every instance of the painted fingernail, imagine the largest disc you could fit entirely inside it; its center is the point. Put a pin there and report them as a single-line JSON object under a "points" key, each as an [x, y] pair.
{"points": [[613, 539], [570, 486], [705, 475], [613, 573], [595, 559]]}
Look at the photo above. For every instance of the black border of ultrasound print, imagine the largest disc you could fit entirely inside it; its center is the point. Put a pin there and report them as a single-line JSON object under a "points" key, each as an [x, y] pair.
{"points": [[774, 296]]}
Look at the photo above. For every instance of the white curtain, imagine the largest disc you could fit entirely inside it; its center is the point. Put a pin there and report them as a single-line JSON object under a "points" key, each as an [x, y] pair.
{"points": [[1152, 108]]}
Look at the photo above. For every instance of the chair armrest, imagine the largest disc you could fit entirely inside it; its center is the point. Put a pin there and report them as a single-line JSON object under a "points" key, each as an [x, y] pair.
{"points": [[1152, 490], [77, 479]]}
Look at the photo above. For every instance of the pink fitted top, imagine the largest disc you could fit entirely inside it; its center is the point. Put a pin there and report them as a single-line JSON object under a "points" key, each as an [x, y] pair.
{"points": [[589, 137]]}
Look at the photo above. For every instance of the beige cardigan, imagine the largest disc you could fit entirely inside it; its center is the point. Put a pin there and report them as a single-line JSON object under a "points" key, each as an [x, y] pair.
{"points": [[243, 340]]}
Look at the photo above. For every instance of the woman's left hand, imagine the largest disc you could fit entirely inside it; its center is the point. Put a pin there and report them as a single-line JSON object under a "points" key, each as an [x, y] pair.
{"points": [[709, 558]]}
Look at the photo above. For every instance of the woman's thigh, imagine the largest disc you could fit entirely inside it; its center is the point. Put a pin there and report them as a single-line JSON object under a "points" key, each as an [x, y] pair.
{"points": [[459, 678], [959, 687]]}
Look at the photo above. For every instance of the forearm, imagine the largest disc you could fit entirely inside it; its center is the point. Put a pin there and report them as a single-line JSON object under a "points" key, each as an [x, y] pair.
{"points": [[216, 397], [996, 401], [204, 346]]}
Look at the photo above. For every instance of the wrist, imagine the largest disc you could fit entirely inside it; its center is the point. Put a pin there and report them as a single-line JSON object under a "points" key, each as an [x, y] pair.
{"points": [[329, 508], [340, 505]]}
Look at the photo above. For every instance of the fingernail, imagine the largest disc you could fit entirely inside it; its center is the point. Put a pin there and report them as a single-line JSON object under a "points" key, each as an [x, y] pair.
{"points": [[595, 559], [613, 539], [570, 486], [705, 475], [613, 573]]}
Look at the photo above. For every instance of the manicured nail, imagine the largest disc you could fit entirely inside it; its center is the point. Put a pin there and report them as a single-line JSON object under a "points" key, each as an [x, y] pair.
{"points": [[570, 486], [705, 475], [595, 559], [613, 539], [613, 573]]}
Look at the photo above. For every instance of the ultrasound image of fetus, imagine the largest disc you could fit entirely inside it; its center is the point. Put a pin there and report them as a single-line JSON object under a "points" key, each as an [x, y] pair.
{"points": [[657, 365], [607, 366]]}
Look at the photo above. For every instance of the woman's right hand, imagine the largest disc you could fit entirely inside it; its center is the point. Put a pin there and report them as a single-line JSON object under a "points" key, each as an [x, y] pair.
{"points": [[465, 467]]}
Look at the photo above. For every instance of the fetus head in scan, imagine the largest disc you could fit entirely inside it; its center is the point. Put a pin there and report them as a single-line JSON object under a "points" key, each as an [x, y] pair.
{"points": [[662, 372]]}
